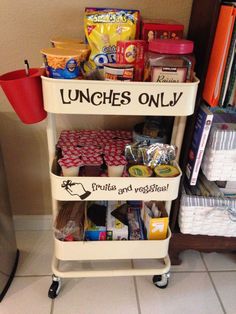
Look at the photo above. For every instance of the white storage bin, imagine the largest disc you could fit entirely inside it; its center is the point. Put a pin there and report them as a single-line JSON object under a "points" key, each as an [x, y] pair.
{"points": [[207, 216]]}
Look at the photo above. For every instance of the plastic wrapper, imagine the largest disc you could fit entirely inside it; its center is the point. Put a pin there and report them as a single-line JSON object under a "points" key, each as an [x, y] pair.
{"points": [[150, 155], [103, 28], [133, 152], [135, 224], [158, 154], [69, 224]]}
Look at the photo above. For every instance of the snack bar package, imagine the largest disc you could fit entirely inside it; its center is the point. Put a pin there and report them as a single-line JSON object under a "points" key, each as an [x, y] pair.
{"points": [[104, 27]]}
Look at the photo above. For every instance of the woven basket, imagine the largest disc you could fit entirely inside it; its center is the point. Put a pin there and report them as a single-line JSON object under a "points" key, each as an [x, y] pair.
{"points": [[207, 216], [219, 164], [219, 158]]}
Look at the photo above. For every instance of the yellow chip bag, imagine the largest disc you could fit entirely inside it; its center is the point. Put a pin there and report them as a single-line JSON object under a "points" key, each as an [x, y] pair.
{"points": [[104, 27]]}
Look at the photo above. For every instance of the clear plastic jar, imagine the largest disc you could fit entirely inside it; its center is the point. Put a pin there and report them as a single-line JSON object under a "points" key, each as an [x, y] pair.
{"points": [[170, 61]]}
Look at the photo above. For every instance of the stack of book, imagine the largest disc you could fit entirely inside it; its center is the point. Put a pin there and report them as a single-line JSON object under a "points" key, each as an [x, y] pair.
{"points": [[219, 91], [220, 84]]}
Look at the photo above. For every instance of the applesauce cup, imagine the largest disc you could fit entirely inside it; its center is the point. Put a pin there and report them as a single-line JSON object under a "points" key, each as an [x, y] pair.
{"points": [[115, 165], [70, 166]]}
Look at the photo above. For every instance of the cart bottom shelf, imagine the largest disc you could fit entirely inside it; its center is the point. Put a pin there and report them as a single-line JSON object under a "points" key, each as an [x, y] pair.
{"points": [[160, 278], [69, 269], [93, 258], [111, 250]]}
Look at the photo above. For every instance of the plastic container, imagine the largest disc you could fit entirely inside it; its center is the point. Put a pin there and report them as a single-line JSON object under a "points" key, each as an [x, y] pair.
{"points": [[170, 61], [25, 94]]}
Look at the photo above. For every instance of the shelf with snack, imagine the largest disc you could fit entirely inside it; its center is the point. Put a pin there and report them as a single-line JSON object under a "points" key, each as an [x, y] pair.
{"points": [[109, 188], [108, 164], [92, 230], [98, 250]]}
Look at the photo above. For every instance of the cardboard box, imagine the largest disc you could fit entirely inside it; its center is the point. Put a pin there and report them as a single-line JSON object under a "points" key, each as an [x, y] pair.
{"points": [[161, 28], [156, 228]]}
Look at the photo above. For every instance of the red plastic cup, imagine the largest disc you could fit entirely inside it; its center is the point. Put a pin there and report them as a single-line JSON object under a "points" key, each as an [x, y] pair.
{"points": [[25, 94]]}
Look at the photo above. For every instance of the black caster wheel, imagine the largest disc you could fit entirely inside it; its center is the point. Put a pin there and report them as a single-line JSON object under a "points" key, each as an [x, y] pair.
{"points": [[161, 281], [55, 287]]}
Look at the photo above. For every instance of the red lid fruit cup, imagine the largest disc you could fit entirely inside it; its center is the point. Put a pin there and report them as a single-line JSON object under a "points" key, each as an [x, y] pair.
{"points": [[67, 142], [70, 166], [91, 150], [113, 150], [90, 141], [71, 151], [87, 133], [92, 165], [115, 165], [69, 133]]}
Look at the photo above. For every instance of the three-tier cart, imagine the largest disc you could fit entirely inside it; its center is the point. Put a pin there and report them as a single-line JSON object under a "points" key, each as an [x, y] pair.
{"points": [[114, 98]]}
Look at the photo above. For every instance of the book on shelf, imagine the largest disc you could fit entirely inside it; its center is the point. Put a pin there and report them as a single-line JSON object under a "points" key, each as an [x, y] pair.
{"points": [[200, 135], [229, 73], [230, 96], [219, 54]]}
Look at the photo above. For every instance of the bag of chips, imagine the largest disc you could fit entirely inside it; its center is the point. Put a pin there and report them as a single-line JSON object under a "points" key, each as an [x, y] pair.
{"points": [[103, 28]]}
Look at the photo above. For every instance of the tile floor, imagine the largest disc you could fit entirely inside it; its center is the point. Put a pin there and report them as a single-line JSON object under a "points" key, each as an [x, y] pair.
{"points": [[202, 284]]}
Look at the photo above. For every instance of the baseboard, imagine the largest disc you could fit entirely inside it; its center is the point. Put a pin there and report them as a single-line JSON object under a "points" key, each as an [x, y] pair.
{"points": [[32, 222]]}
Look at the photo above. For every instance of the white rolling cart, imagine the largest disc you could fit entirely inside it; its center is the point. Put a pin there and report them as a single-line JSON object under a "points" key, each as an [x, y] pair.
{"points": [[114, 98]]}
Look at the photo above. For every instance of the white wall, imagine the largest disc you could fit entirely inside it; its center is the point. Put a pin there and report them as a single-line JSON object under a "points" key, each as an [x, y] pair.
{"points": [[26, 26]]}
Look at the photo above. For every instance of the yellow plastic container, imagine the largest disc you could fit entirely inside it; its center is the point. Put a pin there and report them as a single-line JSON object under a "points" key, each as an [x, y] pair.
{"points": [[166, 171]]}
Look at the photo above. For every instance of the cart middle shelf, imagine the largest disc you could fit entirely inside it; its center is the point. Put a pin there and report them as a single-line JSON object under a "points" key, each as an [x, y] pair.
{"points": [[113, 188]]}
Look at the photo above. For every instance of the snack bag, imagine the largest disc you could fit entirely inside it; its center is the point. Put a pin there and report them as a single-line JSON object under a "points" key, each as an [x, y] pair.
{"points": [[69, 223], [104, 27]]}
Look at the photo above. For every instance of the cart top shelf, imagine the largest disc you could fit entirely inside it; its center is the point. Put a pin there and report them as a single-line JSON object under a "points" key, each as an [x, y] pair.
{"points": [[119, 98]]}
